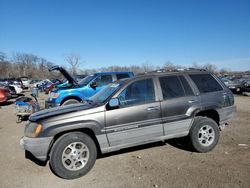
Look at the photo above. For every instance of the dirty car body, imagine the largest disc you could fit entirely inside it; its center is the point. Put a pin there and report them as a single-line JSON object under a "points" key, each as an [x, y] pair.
{"points": [[130, 112]]}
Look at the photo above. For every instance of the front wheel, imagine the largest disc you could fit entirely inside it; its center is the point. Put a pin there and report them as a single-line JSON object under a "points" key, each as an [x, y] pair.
{"points": [[73, 155], [204, 134]]}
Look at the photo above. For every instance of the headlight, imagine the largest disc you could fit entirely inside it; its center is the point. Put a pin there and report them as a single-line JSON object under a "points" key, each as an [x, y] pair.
{"points": [[54, 95], [32, 130]]}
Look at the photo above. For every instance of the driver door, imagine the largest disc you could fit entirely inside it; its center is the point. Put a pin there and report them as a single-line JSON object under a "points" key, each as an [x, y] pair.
{"points": [[138, 117]]}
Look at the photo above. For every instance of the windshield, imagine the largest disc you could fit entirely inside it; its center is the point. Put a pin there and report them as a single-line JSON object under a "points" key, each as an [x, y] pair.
{"points": [[86, 80], [105, 93]]}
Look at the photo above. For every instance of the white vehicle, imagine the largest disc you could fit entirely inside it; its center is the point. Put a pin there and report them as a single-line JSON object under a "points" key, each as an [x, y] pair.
{"points": [[17, 87], [26, 82]]}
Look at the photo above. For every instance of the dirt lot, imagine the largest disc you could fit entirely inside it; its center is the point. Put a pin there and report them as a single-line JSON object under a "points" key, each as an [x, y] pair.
{"points": [[155, 165]]}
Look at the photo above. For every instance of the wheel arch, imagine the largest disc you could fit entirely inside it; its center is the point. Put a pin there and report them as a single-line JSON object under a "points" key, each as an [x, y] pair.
{"points": [[71, 97], [210, 113], [87, 131]]}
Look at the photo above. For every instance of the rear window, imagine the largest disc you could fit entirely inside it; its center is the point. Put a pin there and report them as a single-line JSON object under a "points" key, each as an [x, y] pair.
{"points": [[206, 83], [121, 76]]}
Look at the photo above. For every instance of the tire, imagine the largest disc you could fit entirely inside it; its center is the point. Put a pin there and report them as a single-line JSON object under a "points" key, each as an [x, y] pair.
{"points": [[70, 101], [61, 161], [204, 134]]}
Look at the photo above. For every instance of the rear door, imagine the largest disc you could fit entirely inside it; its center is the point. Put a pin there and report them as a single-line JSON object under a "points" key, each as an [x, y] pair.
{"points": [[177, 98], [138, 117]]}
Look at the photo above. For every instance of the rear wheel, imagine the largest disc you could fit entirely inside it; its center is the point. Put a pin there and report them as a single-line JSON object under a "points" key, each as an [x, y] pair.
{"points": [[204, 134], [73, 155], [70, 101]]}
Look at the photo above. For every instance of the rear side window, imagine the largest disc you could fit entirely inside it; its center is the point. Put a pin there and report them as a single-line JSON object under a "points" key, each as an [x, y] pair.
{"points": [[205, 83], [171, 87], [121, 76]]}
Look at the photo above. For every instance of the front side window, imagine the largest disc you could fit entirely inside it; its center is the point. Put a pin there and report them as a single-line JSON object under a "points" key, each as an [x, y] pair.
{"points": [[205, 83], [138, 92], [103, 80], [171, 87]]}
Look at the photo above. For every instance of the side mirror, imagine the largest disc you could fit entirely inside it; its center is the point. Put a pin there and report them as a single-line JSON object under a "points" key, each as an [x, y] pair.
{"points": [[93, 85], [114, 103]]}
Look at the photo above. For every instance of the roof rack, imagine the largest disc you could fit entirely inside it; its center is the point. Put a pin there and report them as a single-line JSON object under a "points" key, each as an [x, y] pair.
{"points": [[197, 69], [174, 70]]}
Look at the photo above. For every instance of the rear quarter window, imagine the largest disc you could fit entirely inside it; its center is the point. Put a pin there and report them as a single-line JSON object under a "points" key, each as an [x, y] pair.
{"points": [[205, 83]]}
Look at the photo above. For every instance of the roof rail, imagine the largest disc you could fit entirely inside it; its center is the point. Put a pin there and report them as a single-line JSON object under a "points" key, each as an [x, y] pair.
{"points": [[175, 70], [197, 69]]}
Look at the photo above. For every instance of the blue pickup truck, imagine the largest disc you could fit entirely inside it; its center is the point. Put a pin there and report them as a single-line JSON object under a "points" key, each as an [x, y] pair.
{"points": [[74, 92]]}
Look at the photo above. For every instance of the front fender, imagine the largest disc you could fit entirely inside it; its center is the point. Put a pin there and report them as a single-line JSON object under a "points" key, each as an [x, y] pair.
{"points": [[56, 129]]}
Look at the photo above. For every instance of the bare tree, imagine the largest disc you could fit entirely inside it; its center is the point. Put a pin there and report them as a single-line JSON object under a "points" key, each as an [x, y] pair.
{"points": [[74, 61], [210, 67], [25, 63], [3, 56], [169, 66], [147, 67]]}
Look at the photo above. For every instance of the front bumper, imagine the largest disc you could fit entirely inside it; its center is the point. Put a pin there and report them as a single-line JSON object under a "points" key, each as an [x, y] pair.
{"points": [[38, 147]]}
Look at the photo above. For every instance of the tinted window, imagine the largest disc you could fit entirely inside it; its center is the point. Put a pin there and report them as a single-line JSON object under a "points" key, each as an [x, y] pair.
{"points": [[186, 86], [121, 76], [137, 93], [171, 87], [205, 83], [103, 80]]}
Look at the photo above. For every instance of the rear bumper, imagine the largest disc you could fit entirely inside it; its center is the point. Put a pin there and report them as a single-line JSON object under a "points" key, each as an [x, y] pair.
{"points": [[38, 147], [226, 114]]}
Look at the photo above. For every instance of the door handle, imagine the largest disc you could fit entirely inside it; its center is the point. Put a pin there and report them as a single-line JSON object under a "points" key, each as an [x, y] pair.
{"points": [[192, 101], [153, 108]]}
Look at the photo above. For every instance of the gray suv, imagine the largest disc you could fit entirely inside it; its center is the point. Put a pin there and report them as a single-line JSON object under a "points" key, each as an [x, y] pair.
{"points": [[129, 112]]}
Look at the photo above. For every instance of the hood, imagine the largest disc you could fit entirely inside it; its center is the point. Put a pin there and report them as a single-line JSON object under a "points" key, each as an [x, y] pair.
{"points": [[70, 79], [60, 110]]}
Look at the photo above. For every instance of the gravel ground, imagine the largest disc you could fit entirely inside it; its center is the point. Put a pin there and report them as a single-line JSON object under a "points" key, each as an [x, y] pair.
{"points": [[155, 165]]}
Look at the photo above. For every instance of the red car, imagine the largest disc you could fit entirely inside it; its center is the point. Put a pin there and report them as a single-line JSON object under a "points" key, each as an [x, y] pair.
{"points": [[4, 95], [49, 88]]}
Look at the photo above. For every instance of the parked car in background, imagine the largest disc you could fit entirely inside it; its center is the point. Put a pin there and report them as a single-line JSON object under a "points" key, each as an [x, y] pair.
{"points": [[17, 86], [74, 92], [52, 85], [130, 112], [25, 81], [235, 85], [33, 83], [4, 94], [246, 86], [43, 84]]}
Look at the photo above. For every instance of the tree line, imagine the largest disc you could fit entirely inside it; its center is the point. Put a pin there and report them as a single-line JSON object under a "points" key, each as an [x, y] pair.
{"points": [[35, 67]]}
